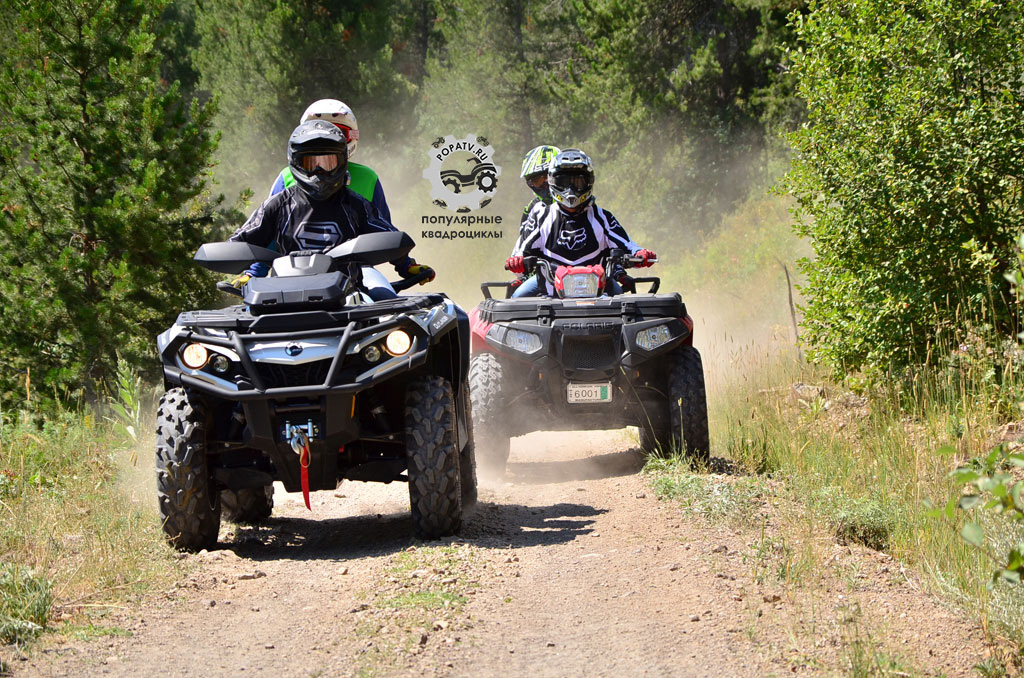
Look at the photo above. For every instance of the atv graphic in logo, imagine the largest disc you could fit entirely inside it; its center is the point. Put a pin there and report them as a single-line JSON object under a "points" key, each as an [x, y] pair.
{"points": [[573, 239], [462, 173], [317, 235]]}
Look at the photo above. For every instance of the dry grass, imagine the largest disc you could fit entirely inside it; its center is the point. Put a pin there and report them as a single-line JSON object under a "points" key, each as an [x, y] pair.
{"points": [[862, 468], [77, 515]]}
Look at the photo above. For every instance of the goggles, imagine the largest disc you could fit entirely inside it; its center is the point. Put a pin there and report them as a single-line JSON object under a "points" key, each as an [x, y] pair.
{"points": [[577, 181], [327, 162], [350, 134]]}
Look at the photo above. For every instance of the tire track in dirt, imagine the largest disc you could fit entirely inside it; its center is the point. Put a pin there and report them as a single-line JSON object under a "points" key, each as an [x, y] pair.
{"points": [[575, 570]]}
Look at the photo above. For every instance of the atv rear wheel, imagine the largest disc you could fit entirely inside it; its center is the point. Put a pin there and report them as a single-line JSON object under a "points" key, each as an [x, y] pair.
{"points": [[189, 502], [250, 505], [688, 407], [486, 386], [431, 441], [467, 455]]}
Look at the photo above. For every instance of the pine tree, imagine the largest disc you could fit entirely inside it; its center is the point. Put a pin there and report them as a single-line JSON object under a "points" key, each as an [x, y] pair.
{"points": [[267, 60], [103, 172]]}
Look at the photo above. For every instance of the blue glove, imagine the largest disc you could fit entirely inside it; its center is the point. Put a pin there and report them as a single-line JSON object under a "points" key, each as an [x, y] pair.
{"points": [[258, 270]]}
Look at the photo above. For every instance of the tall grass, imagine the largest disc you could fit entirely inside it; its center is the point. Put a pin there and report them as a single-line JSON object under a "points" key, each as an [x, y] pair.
{"points": [[76, 516], [865, 465]]}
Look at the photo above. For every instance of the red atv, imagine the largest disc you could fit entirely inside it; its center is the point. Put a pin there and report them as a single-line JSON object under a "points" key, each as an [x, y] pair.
{"points": [[586, 359]]}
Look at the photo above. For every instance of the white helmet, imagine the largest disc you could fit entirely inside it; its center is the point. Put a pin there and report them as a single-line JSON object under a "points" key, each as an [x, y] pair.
{"points": [[338, 113]]}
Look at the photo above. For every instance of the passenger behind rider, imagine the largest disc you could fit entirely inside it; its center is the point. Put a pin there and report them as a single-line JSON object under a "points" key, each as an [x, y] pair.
{"points": [[535, 174], [362, 179], [319, 211], [572, 230]]}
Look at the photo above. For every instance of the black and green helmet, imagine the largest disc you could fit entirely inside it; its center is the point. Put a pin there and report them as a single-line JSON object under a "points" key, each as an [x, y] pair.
{"points": [[535, 169]]}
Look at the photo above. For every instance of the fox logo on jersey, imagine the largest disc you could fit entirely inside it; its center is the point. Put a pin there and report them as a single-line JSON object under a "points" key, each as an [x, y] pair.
{"points": [[572, 239]]}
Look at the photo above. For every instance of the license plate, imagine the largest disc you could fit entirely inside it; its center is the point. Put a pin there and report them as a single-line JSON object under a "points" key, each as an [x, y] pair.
{"points": [[589, 393]]}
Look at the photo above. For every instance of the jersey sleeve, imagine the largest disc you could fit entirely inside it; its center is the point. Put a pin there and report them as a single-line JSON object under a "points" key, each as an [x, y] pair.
{"points": [[528, 228], [372, 221], [617, 236], [380, 203], [261, 228], [375, 223]]}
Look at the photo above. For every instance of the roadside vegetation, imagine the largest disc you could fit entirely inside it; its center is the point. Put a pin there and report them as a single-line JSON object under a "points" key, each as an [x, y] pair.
{"points": [[902, 432], [78, 527]]}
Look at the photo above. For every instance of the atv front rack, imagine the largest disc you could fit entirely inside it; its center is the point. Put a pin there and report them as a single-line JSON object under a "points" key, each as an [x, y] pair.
{"points": [[629, 306]]}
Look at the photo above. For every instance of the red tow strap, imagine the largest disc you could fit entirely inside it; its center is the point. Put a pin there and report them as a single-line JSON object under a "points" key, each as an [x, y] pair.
{"points": [[300, 445], [304, 472]]}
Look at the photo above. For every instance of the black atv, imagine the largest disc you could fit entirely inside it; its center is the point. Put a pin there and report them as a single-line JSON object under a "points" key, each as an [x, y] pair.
{"points": [[586, 359], [308, 382]]}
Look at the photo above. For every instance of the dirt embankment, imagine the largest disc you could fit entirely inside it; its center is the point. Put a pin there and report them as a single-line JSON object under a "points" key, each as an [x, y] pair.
{"points": [[568, 567]]}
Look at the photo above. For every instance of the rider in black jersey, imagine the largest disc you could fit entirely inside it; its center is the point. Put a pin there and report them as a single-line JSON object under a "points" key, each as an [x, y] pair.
{"points": [[319, 211]]}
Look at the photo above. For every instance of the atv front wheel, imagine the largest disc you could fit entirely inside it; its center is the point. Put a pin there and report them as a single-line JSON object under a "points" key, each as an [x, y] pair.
{"points": [[250, 505], [467, 455], [688, 406], [189, 502], [656, 437], [486, 384], [433, 456]]}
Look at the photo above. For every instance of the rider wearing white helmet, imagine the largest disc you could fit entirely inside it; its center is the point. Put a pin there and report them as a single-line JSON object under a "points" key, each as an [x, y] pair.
{"points": [[363, 180], [360, 179]]}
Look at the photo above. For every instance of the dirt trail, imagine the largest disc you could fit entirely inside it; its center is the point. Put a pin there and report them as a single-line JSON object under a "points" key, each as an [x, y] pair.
{"points": [[570, 567]]}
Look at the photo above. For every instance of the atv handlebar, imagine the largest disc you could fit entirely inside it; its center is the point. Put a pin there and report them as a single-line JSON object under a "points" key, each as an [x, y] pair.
{"points": [[406, 283], [616, 259], [397, 286], [228, 288]]}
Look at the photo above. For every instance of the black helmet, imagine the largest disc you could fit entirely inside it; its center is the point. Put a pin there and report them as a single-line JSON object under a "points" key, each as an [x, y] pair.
{"points": [[318, 158], [571, 179]]}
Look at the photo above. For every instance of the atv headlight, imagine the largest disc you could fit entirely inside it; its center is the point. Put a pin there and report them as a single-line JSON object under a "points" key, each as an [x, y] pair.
{"points": [[398, 343], [580, 285], [195, 356], [524, 342], [220, 363], [653, 337]]}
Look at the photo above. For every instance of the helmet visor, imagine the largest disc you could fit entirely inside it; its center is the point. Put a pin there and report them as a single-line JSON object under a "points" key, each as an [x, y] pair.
{"points": [[577, 181], [328, 162]]}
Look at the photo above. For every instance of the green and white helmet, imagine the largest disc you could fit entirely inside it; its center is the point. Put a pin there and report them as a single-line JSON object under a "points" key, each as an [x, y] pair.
{"points": [[535, 169]]}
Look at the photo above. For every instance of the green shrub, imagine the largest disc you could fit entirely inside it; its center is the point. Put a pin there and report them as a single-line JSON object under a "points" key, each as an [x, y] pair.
{"points": [[25, 601], [856, 520], [907, 173]]}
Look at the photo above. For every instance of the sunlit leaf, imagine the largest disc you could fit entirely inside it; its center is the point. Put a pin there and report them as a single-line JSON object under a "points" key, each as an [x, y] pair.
{"points": [[973, 534], [969, 501]]}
